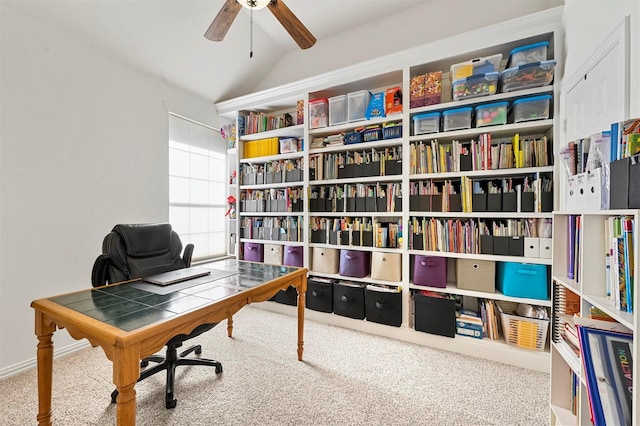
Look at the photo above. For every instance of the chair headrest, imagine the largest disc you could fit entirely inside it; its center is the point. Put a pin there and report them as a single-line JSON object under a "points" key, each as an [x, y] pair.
{"points": [[147, 239]]}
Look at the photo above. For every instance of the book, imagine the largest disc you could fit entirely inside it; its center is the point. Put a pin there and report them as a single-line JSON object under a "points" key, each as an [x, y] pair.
{"points": [[607, 359]]}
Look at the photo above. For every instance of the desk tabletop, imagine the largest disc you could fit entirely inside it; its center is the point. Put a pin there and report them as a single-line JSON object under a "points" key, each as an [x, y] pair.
{"points": [[132, 305]]}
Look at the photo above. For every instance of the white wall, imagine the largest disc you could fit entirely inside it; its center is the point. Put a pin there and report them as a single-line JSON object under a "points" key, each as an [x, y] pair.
{"points": [[588, 23], [83, 147]]}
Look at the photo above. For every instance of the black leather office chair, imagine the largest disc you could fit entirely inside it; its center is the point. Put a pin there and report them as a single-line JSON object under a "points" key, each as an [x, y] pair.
{"points": [[141, 250]]}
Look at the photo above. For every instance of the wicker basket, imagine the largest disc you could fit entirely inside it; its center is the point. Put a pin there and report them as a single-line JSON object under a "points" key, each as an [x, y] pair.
{"points": [[528, 333]]}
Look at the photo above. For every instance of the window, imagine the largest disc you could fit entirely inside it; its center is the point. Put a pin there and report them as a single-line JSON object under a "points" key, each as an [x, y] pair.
{"points": [[197, 186]]}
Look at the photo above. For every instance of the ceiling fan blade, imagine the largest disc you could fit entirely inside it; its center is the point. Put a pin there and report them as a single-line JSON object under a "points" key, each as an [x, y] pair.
{"points": [[292, 24], [223, 20]]}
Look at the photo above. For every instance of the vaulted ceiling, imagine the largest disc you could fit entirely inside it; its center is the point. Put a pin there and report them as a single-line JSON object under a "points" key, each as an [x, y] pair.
{"points": [[164, 38]]}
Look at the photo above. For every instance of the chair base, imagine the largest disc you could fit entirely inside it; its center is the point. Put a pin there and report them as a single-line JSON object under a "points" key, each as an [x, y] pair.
{"points": [[169, 363]]}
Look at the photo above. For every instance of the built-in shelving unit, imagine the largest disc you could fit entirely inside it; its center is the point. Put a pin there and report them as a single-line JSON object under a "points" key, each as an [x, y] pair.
{"points": [[397, 71]]}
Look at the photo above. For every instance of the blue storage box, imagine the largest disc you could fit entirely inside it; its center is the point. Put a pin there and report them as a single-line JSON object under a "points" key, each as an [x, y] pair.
{"points": [[536, 52], [523, 280]]}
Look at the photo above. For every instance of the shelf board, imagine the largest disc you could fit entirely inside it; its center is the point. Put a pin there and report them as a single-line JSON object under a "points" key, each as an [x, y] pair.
{"points": [[359, 248], [276, 157], [272, 185], [368, 179], [497, 132], [355, 214], [482, 173], [564, 417], [283, 243], [573, 361], [603, 303], [567, 282], [365, 280], [482, 100], [492, 215], [339, 128], [270, 214], [453, 289], [291, 131], [517, 259], [358, 146]]}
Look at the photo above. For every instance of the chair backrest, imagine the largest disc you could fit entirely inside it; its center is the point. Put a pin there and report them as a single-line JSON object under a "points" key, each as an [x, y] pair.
{"points": [[139, 250]]}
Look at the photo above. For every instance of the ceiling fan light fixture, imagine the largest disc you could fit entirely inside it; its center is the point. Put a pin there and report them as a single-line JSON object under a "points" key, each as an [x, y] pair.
{"points": [[254, 4]]}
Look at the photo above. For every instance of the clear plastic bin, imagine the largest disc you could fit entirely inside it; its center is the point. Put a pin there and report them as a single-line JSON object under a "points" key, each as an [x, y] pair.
{"points": [[457, 119], [527, 76], [357, 105], [476, 66], [536, 52], [426, 123], [534, 108], [471, 87], [318, 113], [491, 114], [337, 110]]}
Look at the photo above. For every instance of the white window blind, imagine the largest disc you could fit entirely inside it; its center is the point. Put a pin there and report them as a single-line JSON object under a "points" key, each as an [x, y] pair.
{"points": [[197, 186]]}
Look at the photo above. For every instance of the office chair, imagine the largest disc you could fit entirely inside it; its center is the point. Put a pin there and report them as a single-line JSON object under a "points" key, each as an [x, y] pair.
{"points": [[142, 250]]}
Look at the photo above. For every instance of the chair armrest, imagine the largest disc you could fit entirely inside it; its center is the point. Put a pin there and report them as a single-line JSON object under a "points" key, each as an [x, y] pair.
{"points": [[100, 271], [186, 257]]}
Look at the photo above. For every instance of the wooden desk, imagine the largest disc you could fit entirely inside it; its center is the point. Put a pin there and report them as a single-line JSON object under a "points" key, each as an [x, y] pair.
{"points": [[151, 319]]}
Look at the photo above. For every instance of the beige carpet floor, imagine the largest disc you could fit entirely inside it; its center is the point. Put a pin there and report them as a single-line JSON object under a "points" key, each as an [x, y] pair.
{"points": [[347, 378]]}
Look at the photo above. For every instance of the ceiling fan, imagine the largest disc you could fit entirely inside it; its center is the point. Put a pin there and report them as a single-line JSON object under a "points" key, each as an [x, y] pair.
{"points": [[223, 20]]}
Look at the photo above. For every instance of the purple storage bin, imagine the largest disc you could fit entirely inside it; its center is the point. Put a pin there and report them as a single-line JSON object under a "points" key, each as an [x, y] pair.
{"points": [[292, 256], [430, 271], [253, 252], [354, 263]]}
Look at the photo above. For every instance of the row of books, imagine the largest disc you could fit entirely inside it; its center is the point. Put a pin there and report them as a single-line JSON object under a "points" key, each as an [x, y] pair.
{"points": [[272, 228], [480, 154], [619, 255], [256, 122]]}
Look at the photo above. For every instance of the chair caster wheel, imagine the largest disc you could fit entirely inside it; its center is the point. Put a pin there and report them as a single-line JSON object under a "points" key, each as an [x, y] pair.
{"points": [[219, 370], [114, 396], [171, 404], [198, 350], [144, 363]]}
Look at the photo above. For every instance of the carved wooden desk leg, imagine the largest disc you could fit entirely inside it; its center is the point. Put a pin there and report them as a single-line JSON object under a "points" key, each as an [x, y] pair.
{"points": [[126, 371], [301, 304], [230, 326], [44, 331]]}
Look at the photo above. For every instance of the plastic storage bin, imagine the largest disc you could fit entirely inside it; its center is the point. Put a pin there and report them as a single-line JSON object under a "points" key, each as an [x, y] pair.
{"points": [[534, 108], [491, 114], [318, 113], [357, 103], [527, 76], [337, 110], [522, 280], [536, 52], [477, 85], [457, 119], [528, 333], [426, 123], [476, 66]]}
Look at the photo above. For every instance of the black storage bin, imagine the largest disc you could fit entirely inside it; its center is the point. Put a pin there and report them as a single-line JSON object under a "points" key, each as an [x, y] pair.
{"points": [[435, 315], [526, 202], [501, 245], [516, 246], [367, 239], [383, 307], [361, 204], [333, 237], [494, 202], [455, 203], [486, 244], [340, 205], [547, 200], [418, 242], [381, 204], [319, 236], [369, 204], [344, 238], [479, 202], [436, 203], [509, 201], [319, 295], [348, 300], [288, 296], [351, 204]]}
